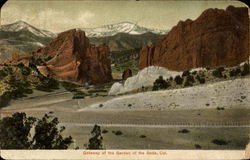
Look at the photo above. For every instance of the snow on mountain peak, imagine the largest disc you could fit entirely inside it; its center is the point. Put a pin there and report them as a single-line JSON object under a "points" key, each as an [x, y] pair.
{"points": [[123, 27], [24, 26]]}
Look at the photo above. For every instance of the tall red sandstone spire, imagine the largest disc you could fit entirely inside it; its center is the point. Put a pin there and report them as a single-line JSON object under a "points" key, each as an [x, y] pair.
{"points": [[74, 59], [216, 38]]}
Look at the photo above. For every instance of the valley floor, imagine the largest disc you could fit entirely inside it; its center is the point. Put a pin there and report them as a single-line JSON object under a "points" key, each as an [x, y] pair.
{"points": [[146, 127]]}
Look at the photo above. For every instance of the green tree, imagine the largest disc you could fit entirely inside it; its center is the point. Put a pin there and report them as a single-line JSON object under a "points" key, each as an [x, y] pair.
{"points": [[95, 142], [47, 135], [15, 133]]}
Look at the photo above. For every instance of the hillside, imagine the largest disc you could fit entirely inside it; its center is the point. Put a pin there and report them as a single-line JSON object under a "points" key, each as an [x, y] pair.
{"points": [[229, 93]]}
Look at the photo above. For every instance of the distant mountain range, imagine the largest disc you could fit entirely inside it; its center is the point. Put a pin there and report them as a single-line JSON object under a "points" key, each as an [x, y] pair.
{"points": [[124, 27], [21, 37]]}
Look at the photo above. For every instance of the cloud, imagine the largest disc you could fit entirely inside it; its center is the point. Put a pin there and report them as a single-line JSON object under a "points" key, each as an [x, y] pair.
{"points": [[85, 18]]}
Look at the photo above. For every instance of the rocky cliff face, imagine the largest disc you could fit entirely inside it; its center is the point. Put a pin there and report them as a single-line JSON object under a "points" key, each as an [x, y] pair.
{"points": [[73, 58], [216, 38]]}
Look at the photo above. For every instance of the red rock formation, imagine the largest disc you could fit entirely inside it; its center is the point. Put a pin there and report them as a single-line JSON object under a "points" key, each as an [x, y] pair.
{"points": [[216, 38], [126, 74], [74, 59]]}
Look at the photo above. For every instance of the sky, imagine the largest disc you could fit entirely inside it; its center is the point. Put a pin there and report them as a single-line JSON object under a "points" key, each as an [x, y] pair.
{"points": [[58, 16]]}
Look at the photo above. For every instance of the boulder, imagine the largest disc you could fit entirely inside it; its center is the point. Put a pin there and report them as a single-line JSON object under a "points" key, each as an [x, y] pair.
{"points": [[126, 74]]}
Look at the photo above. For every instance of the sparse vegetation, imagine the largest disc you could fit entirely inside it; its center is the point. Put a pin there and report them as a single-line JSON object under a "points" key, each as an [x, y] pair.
{"points": [[197, 146], [178, 80], [220, 108], [142, 136], [220, 142], [184, 131], [218, 72], [117, 133], [104, 131], [188, 79], [78, 95], [160, 83]]}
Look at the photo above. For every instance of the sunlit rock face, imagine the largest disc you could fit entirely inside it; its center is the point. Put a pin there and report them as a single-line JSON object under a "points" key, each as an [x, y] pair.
{"points": [[74, 59], [216, 38]]}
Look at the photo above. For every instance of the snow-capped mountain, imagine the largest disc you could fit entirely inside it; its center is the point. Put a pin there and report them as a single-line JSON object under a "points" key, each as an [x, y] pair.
{"points": [[124, 27], [23, 26]]}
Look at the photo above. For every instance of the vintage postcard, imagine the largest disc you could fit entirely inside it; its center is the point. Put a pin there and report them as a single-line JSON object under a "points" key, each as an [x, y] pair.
{"points": [[124, 79]]}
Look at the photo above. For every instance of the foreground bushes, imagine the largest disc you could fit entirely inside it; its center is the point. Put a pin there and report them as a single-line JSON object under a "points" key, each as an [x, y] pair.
{"points": [[15, 133]]}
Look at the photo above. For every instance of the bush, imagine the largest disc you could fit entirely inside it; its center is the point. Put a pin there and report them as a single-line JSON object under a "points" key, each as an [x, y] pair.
{"points": [[235, 72], [220, 142], [189, 81], [245, 70], [15, 133], [118, 133], [178, 79], [104, 131], [4, 100], [200, 79], [194, 72], [218, 72], [95, 142], [142, 136], [160, 83], [18, 88], [183, 131], [70, 86], [190, 78], [185, 73], [26, 71], [2, 74], [197, 146], [47, 84], [78, 95]]}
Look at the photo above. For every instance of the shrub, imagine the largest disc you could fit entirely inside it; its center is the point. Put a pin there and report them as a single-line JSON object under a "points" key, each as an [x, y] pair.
{"points": [[69, 86], [197, 146], [218, 72], [26, 71], [194, 72], [15, 133], [189, 81], [200, 79], [47, 84], [142, 136], [118, 133], [2, 74], [4, 100], [183, 131], [178, 79], [220, 142], [95, 142], [78, 95], [245, 70], [190, 78], [160, 83], [104, 131], [185, 73]]}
